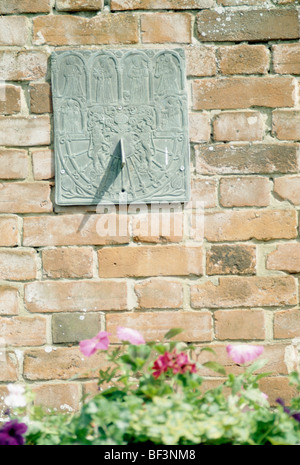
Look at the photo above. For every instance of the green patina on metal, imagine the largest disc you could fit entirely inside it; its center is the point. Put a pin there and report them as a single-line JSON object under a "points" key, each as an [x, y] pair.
{"points": [[121, 126]]}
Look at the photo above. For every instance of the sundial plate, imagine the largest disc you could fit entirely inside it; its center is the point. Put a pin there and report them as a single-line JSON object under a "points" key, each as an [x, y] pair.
{"points": [[120, 126]]}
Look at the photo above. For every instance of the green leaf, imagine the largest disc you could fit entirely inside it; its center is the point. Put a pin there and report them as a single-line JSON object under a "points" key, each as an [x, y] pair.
{"points": [[215, 366], [172, 333]]}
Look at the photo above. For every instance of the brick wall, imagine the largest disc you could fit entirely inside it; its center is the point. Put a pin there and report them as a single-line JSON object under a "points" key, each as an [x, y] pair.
{"points": [[233, 277]]}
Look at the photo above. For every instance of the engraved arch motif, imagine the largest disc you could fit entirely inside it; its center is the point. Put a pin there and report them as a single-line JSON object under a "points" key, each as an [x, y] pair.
{"points": [[121, 126]]}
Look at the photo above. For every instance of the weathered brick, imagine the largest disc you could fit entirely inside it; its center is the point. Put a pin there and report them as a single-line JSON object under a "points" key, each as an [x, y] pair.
{"points": [[62, 397], [199, 127], [63, 296], [276, 387], [165, 260], [60, 363], [197, 326], [18, 264], [23, 331], [286, 124], [245, 191], [240, 324], [243, 92], [9, 304], [288, 188], [9, 235], [14, 30], [231, 259], [159, 28], [40, 98], [244, 59], [43, 164], [287, 324], [243, 225], [18, 197], [13, 164], [74, 328], [204, 190], [238, 126], [24, 6], [23, 65], [159, 4], [240, 291], [200, 60], [156, 226], [10, 99], [247, 159], [8, 372], [286, 257], [21, 131], [77, 229], [286, 58], [247, 25], [76, 30], [158, 293], [74, 262], [78, 5]]}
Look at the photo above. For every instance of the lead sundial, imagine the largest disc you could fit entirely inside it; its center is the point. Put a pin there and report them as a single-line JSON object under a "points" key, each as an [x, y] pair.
{"points": [[121, 126]]}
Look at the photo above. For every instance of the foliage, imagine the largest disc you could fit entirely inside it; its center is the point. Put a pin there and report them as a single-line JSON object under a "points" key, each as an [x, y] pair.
{"points": [[155, 396]]}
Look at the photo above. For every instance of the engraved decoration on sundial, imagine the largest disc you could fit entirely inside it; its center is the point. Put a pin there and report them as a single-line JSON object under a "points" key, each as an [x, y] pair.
{"points": [[121, 126]]}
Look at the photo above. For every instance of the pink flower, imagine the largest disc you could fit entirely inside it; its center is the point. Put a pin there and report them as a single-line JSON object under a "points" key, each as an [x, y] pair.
{"points": [[178, 363], [89, 346], [130, 335], [243, 353]]}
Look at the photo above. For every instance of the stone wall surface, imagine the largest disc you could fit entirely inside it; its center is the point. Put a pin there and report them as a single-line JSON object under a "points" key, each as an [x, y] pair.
{"points": [[225, 266]]}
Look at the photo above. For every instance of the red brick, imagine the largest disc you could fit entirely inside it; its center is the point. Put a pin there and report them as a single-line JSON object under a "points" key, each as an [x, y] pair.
{"points": [[247, 25], [9, 300], [14, 30], [61, 363], [9, 235], [25, 197], [231, 259], [62, 397], [24, 6], [200, 60], [13, 164], [199, 127], [23, 65], [76, 30], [18, 264], [10, 99], [238, 126], [196, 326], [159, 28], [243, 291], [40, 98], [20, 131], [43, 164], [77, 229], [8, 373], [243, 92], [243, 225], [245, 191], [159, 4], [287, 187], [158, 293], [286, 58], [64, 262], [156, 226], [240, 324], [247, 159], [286, 124], [204, 190], [286, 257], [169, 260], [60, 296], [275, 387], [78, 5], [244, 59], [23, 331], [287, 324]]}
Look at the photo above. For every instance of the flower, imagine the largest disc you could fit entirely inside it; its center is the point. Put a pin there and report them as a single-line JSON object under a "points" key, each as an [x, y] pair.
{"points": [[178, 363], [130, 335], [89, 346], [295, 415], [16, 396], [243, 353], [11, 433]]}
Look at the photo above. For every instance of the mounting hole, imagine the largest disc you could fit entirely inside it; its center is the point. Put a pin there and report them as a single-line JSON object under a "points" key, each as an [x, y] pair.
{"points": [[123, 190]]}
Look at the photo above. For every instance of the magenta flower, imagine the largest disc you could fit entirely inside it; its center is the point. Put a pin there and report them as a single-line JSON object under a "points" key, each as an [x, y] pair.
{"points": [[11, 434], [243, 353], [100, 342], [178, 363], [130, 335]]}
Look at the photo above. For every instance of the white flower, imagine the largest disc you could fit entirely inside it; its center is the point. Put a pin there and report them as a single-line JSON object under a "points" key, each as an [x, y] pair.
{"points": [[16, 397]]}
